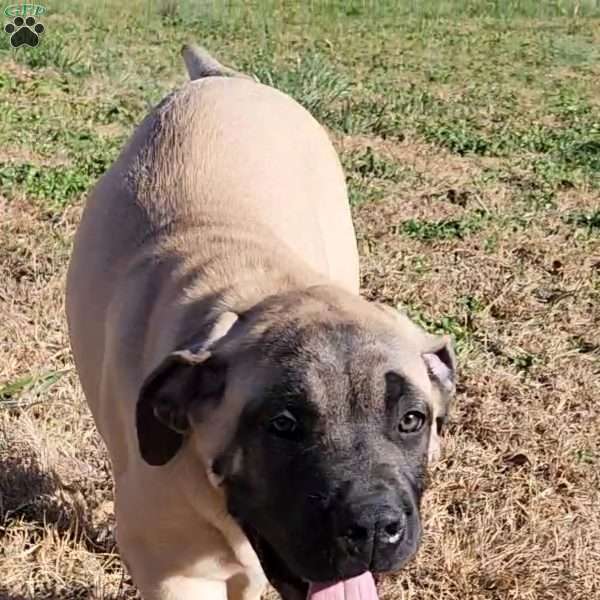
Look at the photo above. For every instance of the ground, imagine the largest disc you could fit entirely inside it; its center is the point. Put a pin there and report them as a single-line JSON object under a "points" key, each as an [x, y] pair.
{"points": [[470, 135]]}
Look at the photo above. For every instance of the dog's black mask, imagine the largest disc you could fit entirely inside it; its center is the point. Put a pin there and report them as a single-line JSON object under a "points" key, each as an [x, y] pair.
{"points": [[326, 471]]}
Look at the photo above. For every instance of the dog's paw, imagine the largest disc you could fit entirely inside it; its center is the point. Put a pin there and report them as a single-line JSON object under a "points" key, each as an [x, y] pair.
{"points": [[24, 31]]}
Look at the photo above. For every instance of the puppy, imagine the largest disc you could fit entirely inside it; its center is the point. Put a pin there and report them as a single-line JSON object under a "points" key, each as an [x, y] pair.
{"points": [[260, 416]]}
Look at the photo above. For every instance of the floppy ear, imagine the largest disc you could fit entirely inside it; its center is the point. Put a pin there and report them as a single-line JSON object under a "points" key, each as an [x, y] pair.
{"points": [[437, 350], [440, 361], [441, 365], [183, 381], [186, 380]]}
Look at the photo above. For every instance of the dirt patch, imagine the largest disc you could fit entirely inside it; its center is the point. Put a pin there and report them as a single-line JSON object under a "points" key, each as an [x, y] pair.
{"points": [[20, 155], [436, 183]]}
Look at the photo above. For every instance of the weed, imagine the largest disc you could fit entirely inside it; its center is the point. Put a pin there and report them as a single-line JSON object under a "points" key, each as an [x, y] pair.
{"points": [[445, 229], [367, 164], [58, 184], [445, 324], [588, 220], [368, 175], [311, 79], [27, 389]]}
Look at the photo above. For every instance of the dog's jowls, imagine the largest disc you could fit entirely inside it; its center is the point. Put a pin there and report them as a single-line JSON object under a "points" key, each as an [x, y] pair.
{"points": [[260, 416]]}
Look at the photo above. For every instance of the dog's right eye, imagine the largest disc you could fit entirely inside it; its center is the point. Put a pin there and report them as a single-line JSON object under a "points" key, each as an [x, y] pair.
{"points": [[284, 424]]}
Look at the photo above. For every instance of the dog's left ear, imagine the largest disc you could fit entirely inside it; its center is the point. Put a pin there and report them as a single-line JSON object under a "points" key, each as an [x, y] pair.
{"points": [[436, 350], [184, 382], [440, 361]]}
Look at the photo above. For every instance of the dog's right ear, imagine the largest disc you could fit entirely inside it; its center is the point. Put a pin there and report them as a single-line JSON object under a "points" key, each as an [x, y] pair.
{"points": [[184, 382]]}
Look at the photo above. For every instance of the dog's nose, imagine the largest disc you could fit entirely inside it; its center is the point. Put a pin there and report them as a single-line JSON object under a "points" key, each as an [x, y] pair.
{"points": [[370, 529], [387, 529], [390, 529]]}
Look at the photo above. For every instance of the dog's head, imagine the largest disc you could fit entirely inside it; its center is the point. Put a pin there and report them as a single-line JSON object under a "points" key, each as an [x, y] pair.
{"points": [[316, 411]]}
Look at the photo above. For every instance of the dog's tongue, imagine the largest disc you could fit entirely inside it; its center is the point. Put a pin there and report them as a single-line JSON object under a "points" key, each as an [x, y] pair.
{"points": [[357, 588]]}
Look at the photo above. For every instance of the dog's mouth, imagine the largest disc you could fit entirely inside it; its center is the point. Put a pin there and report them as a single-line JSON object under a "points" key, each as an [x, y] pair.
{"points": [[360, 587]]}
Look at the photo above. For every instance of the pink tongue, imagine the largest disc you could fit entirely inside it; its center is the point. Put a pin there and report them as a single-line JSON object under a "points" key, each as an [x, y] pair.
{"points": [[357, 588]]}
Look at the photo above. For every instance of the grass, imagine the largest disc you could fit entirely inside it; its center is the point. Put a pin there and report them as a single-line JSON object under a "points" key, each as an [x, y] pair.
{"points": [[444, 229], [470, 136], [369, 175], [590, 220]]}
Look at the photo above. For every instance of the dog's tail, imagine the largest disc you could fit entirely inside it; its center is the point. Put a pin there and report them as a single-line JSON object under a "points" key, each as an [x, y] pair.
{"points": [[199, 64]]}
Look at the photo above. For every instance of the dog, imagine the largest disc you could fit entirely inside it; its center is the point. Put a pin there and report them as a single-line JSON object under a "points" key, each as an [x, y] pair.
{"points": [[264, 422]]}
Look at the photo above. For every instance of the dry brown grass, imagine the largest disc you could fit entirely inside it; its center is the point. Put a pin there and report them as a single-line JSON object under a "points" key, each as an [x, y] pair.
{"points": [[513, 509], [55, 518]]}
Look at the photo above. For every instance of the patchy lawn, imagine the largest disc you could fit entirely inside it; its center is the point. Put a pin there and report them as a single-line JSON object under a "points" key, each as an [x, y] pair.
{"points": [[470, 135]]}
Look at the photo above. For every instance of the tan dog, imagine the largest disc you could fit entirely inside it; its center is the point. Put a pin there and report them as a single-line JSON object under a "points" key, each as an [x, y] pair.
{"points": [[250, 400]]}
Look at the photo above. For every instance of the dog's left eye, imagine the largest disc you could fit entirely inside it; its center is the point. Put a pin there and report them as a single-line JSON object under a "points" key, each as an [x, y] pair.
{"points": [[411, 422], [283, 424]]}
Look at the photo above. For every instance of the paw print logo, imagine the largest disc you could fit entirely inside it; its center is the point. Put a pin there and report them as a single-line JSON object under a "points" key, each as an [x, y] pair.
{"points": [[24, 31]]}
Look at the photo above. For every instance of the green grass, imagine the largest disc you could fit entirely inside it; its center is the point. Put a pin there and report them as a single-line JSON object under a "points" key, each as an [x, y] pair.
{"points": [[474, 78], [311, 79], [372, 176], [586, 220], [444, 229]]}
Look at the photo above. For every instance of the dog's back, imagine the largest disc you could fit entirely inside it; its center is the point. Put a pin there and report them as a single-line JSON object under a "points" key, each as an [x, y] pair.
{"points": [[222, 157]]}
